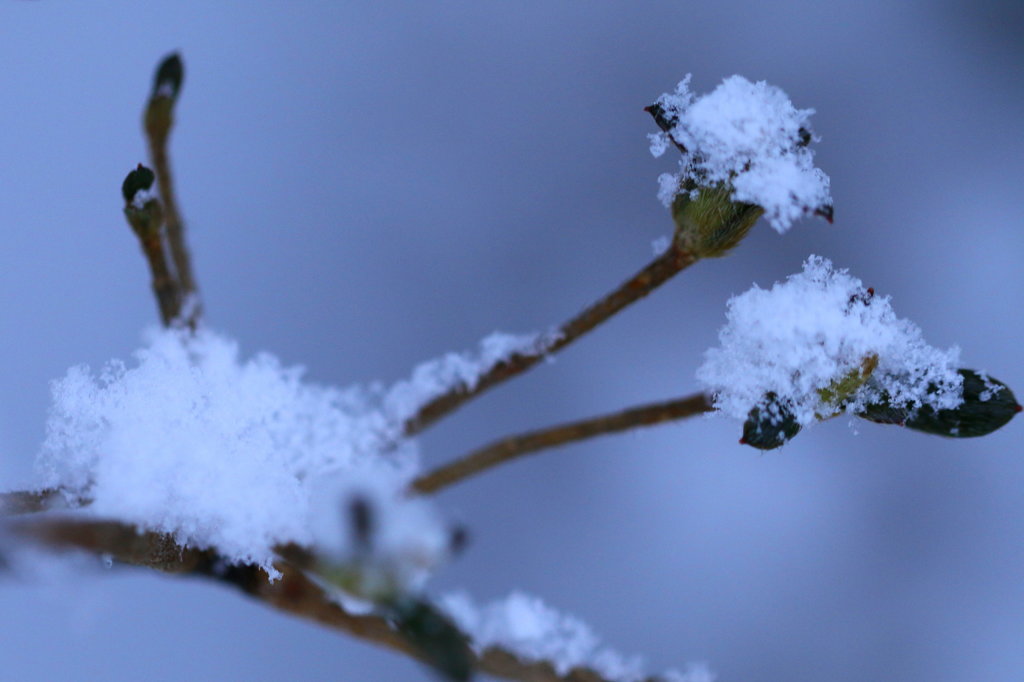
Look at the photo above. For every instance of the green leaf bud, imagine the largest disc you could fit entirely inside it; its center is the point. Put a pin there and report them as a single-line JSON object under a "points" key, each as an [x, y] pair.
{"points": [[711, 223]]}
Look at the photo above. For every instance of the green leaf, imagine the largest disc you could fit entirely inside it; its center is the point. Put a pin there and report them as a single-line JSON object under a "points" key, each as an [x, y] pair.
{"points": [[434, 636], [988, 404]]}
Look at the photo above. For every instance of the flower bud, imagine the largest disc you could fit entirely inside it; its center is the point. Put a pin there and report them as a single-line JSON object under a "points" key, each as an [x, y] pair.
{"points": [[138, 180], [159, 114], [167, 81]]}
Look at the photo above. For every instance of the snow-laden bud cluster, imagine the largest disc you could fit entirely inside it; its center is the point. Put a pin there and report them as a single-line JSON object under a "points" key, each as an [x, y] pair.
{"points": [[819, 344], [747, 136]]}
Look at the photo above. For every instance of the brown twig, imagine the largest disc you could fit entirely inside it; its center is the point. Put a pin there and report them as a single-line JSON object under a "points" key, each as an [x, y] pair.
{"points": [[30, 501], [158, 122], [294, 592], [656, 273], [146, 220], [513, 447], [165, 287], [172, 217]]}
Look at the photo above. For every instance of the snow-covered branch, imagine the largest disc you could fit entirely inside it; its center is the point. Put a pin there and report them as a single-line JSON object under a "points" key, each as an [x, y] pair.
{"points": [[195, 460], [518, 639]]}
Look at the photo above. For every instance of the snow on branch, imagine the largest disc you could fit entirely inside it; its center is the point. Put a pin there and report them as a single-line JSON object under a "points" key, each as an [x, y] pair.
{"points": [[460, 371], [533, 631], [215, 451], [220, 452], [198, 453], [747, 136]]}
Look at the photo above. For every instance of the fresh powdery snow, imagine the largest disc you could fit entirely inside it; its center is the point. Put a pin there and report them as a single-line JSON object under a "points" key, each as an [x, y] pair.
{"points": [[529, 628], [242, 455], [229, 453], [814, 329], [750, 136]]}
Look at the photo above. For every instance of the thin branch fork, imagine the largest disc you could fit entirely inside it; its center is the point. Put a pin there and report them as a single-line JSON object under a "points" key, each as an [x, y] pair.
{"points": [[657, 272], [294, 592], [514, 447]]}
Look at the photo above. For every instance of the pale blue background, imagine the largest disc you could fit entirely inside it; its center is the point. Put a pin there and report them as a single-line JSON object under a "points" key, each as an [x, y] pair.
{"points": [[371, 184]]}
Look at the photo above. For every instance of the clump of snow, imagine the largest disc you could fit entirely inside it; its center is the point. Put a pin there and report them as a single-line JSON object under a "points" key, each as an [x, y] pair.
{"points": [[527, 627], [192, 441], [141, 198], [436, 377], [222, 452], [750, 136], [816, 328]]}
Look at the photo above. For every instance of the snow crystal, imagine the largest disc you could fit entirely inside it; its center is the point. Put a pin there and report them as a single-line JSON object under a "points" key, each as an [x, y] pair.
{"points": [[748, 135], [530, 629], [817, 328], [218, 452]]}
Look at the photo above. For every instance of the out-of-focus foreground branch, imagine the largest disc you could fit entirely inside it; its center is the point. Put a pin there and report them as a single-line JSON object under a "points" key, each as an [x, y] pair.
{"points": [[18, 502], [294, 592]]}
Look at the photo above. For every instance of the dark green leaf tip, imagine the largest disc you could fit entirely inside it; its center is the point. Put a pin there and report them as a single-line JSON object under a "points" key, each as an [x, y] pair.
{"points": [[435, 637], [137, 180], [826, 212], [662, 118], [169, 75], [769, 425], [666, 121], [988, 405]]}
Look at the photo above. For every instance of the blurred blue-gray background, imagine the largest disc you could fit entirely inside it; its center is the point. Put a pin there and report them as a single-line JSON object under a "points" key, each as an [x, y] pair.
{"points": [[368, 185]]}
